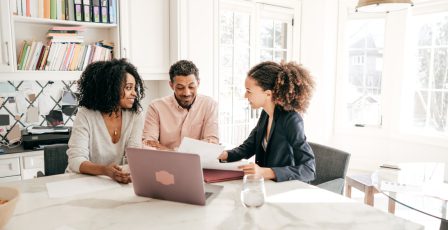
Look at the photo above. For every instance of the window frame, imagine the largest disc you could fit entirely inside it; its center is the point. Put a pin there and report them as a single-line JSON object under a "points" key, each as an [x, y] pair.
{"points": [[395, 85], [276, 10]]}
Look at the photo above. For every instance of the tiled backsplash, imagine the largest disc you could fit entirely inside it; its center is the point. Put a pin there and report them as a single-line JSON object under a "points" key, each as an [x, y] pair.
{"points": [[28, 102]]}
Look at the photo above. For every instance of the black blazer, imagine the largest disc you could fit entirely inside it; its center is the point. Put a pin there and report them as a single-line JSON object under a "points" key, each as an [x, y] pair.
{"points": [[288, 154]]}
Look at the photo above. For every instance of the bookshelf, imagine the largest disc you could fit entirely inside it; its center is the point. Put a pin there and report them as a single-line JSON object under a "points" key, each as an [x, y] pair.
{"points": [[141, 34], [16, 29]]}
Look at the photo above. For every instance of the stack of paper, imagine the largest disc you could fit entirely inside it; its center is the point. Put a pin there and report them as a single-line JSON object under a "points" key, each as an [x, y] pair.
{"points": [[209, 154]]}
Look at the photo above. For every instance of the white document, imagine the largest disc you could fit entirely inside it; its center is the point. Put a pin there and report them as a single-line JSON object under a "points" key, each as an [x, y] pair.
{"points": [[209, 154], [80, 186]]}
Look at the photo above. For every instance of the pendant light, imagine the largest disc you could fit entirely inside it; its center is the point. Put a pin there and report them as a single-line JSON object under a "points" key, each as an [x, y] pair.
{"points": [[382, 6]]}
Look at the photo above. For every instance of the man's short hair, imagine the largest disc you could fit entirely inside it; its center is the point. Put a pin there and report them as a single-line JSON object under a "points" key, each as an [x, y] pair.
{"points": [[183, 68]]}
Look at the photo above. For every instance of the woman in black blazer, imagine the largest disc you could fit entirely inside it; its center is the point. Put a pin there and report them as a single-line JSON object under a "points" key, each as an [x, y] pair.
{"points": [[278, 141]]}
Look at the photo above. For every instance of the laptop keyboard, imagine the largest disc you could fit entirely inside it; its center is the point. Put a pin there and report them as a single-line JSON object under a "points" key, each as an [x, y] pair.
{"points": [[208, 194]]}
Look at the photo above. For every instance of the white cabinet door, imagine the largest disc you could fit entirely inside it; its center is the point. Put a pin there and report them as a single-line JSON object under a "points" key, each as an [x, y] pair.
{"points": [[31, 164], [6, 57], [9, 167], [145, 38]]}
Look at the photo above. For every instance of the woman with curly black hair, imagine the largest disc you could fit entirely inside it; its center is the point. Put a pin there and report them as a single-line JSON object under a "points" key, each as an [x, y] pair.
{"points": [[278, 141], [108, 121]]}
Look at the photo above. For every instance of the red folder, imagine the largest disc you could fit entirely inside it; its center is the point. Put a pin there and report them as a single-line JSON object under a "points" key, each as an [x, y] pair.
{"points": [[215, 175]]}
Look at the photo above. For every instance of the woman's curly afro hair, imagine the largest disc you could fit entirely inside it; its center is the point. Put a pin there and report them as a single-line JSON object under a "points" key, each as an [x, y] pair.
{"points": [[291, 84], [102, 85]]}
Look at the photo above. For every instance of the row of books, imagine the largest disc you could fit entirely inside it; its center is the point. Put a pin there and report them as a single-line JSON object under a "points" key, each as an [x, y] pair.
{"points": [[102, 11], [61, 56]]}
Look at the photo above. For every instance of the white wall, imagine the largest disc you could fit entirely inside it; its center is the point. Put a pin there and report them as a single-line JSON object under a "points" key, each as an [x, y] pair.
{"points": [[196, 31], [318, 54]]}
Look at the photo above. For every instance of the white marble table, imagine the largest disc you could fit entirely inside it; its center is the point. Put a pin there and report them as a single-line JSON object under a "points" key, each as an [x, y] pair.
{"points": [[291, 205]]}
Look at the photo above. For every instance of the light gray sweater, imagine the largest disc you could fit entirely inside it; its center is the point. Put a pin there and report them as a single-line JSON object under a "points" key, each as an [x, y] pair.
{"points": [[90, 139]]}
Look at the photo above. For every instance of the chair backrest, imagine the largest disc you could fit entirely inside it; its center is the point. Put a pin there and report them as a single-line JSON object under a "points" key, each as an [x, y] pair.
{"points": [[55, 159], [331, 163]]}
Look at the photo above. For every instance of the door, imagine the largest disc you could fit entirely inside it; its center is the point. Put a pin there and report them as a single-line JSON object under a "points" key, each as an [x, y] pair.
{"points": [[248, 34]]}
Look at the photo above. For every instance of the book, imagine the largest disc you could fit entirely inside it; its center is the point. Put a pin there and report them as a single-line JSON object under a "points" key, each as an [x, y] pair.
{"points": [[66, 28], [215, 175], [53, 9], [46, 8]]}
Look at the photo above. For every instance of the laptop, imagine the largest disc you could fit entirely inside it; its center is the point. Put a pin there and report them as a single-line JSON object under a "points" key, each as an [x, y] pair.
{"points": [[172, 176]]}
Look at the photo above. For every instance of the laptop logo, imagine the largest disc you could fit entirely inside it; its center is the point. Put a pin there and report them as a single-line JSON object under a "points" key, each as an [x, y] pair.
{"points": [[164, 177]]}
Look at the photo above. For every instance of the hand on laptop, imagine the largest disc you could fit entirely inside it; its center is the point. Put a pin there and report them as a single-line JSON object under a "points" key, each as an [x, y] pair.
{"points": [[155, 144], [116, 173]]}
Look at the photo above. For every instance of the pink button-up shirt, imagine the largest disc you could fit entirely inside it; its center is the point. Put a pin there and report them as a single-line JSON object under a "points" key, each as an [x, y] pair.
{"points": [[167, 122]]}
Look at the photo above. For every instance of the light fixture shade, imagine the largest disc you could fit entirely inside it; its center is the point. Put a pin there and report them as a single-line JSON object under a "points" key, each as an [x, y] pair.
{"points": [[377, 6]]}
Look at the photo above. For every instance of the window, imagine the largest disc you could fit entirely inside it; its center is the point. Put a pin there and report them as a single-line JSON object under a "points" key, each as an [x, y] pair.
{"points": [[430, 70], [248, 33], [364, 44]]}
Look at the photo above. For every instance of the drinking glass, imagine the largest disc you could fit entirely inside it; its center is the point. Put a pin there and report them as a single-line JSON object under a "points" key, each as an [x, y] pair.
{"points": [[253, 191]]}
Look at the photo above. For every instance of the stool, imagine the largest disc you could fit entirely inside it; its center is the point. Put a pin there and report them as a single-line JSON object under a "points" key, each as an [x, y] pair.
{"points": [[363, 182]]}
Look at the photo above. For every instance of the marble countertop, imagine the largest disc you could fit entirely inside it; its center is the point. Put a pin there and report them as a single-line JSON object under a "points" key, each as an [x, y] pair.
{"points": [[290, 205]]}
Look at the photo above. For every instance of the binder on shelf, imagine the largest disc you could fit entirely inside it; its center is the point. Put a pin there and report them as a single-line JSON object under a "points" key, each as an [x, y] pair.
{"points": [[59, 8], [70, 14], [19, 7], [78, 10], [28, 8], [65, 11], [87, 11], [40, 8], [53, 9], [96, 8], [46, 8], [112, 11], [104, 11]]}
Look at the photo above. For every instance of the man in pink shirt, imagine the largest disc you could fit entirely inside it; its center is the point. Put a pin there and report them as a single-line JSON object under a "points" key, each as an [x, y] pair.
{"points": [[184, 114]]}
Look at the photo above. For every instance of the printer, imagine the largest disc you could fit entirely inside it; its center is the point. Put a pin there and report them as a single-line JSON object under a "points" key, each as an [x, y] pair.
{"points": [[36, 136]]}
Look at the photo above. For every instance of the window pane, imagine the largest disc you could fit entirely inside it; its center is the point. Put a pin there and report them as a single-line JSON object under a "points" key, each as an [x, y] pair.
{"points": [[280, 56], [441, 29], [226, 27], [438, 111], [365, 39], [267, 33], [440, 69], [420, 102], [242, 29], [280, 35], [374, 68], [266, 55], [423, 60], [241, 66], [425, 35], [431, 72]]}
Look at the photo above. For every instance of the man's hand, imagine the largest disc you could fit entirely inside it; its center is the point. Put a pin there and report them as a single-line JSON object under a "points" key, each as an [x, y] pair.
{"points": [[155, 144]]}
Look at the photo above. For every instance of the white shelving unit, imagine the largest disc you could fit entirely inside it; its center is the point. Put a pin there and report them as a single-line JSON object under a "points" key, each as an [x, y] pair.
{"points": [[142, 35], [17, 29]]}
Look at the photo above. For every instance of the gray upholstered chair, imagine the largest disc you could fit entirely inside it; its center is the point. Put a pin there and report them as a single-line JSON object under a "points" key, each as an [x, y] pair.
{"points": [[331, 167], [55, 159]]}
